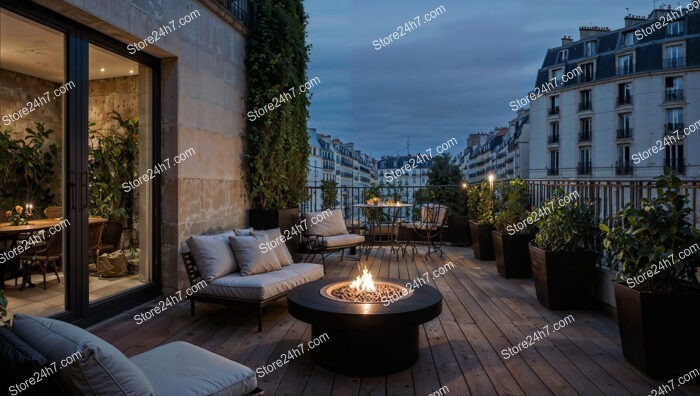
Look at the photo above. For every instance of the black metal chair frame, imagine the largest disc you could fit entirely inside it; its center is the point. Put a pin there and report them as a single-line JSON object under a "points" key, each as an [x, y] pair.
{"points": [[195, 277], [428, 229], [312, 244]]}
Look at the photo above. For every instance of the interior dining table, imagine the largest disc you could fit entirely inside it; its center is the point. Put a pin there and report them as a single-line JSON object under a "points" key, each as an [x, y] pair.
{"points": [[9, 234]]}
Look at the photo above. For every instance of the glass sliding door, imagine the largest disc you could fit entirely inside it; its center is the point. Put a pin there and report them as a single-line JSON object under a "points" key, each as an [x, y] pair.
{"points": [[33, 228]]}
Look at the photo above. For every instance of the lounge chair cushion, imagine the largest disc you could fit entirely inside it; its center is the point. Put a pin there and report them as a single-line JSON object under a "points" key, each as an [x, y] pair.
{"points": [[251, 256], [180, 368], [277, 245], [263, 286], [213, 255], [101, 368], [326, 225], [338, 241]]}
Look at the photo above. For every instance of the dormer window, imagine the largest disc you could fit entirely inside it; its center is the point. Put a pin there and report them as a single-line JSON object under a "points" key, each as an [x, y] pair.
{"points": [[675, 28], [590, 48], [628, 38], [563, 56]]}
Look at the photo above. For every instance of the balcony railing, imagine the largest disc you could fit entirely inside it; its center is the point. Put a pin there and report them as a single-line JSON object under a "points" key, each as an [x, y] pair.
{"points": [[552, 171], [553, 139], [584, 168], [554, 110], [585, 136], [672, 127], [623, 168], [240, 9], [585, 106], [625, 70], [624, 100], [674, 63], [674, 94], [624, 133]]}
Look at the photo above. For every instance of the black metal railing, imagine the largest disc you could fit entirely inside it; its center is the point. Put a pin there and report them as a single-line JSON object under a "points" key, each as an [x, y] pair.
{"points": [[585, 136], [624, 100], [623, 168], [672, 127], [624, 133], [553, 139], [674, 62], [584, 168], [240, 9], [674, 94], [554, 110], [587, 105]]}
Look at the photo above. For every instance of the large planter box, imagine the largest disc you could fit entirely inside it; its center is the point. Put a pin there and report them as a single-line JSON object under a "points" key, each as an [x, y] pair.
{"points": [[459, 232], [563, 280], [481, 240], [512, 254], [284, 219], [659, 331]]}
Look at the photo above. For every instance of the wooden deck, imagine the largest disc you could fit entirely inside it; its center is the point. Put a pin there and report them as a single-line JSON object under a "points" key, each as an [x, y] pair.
{"points": [[461, 349]]}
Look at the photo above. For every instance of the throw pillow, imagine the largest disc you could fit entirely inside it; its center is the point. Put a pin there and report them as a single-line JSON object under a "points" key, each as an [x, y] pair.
{"points": [[250, 256], [243, 231], [213, 255], [277, 245]]}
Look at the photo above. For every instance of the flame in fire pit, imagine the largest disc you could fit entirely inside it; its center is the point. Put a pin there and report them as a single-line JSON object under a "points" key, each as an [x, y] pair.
{"points": [[364, 282]]}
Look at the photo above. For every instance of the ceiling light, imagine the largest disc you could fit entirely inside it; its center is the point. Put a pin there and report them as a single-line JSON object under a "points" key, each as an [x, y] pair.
{"points": [[102, 69], [131, 72]]}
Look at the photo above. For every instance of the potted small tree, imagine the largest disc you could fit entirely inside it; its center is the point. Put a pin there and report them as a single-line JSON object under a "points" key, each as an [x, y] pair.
{"points": [[444, 179], [480, 202], [653, 246], [563, 253], [329, 193], [512, 234]]}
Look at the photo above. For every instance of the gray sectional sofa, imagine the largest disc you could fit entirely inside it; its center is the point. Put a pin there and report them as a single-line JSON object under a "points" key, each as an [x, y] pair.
{"points": [[244, 268], [177, 368]]}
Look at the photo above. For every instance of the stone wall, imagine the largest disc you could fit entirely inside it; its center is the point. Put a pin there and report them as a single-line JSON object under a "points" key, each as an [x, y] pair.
{"points": [[107, 94], [202, 105]]}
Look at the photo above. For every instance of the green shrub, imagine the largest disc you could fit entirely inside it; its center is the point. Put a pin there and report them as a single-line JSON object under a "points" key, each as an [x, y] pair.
{"points": [[513, 205], [568, 227]]}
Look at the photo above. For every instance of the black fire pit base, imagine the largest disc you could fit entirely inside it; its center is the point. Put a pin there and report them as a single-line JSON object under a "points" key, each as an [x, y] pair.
{"points": [[385, 351]]}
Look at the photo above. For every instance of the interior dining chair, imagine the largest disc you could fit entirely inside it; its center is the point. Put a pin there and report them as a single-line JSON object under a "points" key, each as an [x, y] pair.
{"points": [[50, 254], [53, 212], [111, 238], [94, 236]]}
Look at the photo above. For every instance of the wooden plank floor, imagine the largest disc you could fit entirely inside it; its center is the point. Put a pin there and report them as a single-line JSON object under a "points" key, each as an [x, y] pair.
{"points": [[461, 349]]}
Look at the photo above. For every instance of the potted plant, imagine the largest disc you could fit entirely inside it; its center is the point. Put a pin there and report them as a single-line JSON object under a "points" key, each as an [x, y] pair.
{"points": [[512, 234], [329, 193], [276, 144], [458, 217], [480, 202], [444, 179], [563, 253], [653, 246]]}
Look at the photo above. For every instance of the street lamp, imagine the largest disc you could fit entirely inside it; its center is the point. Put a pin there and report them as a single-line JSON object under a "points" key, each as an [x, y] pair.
{"points": [[491, 179]]}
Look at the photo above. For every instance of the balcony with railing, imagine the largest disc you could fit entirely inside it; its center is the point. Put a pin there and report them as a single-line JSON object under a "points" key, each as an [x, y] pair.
{"points": [[677, 167], [239, 9], [623, 168], [673, 94], [624, 100], [585, 106], [672, 127], [553, 111], [584, 168], [552, 171], [553, 139], [585, 136], [674, 62], [625, 69], [624, 133]]}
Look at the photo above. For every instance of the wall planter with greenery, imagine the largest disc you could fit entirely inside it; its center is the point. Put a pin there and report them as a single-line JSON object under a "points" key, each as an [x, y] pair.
{"points": [[276, 147], [480, 208], [657, 293], [564, 254], [511, 245]]}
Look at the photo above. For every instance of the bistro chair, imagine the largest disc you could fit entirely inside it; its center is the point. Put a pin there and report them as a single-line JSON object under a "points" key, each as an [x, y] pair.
{"points": [[429, 229], [94, 236], [50, 254]]}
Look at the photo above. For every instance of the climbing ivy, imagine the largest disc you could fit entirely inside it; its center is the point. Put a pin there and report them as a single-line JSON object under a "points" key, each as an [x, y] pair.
{"points": [[276, 147]]}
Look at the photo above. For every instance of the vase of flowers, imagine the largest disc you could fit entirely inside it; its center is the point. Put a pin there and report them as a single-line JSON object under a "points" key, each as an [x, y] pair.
{"points": [[15, 216]]}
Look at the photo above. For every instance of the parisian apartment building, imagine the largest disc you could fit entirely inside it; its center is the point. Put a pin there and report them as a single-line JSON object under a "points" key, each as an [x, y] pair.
{"points": [[332, 159], [631, 109]]}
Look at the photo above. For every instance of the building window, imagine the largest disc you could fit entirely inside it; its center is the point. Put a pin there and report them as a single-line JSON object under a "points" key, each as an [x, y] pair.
{"points": [[553, 163], [585, 133], [674, 89], [675, 28], [674, 56], [585, 102], [624, 126], [556, 74], [563, 56], [554, 105], [628, 38], [553, 132], [588, 72], [674, 120], [624, 94], [584, 161], [590, 48], [674, 158], [625, 64], [623, 165]]}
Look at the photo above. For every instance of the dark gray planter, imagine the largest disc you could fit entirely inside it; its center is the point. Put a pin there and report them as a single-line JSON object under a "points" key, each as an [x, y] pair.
{"points": [[482, 243], [563, 280], [512, 254], [458, 230]]}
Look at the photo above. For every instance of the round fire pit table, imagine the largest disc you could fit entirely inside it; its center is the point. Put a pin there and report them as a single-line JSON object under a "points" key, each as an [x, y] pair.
{"points": [[364, 339]]}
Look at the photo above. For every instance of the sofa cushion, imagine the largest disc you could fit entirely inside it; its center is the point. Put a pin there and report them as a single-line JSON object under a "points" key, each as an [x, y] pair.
{"points": [[100, 370], [277, 245], [180, 368], [326, 225], [263, 286], [250, 257], [213, 255], [342, 240], [20, 359], [243, 231]]}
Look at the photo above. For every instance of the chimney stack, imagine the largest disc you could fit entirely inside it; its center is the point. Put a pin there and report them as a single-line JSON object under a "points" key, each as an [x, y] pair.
{"points": [[633, 19], [565, 40], [590, 31]]}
